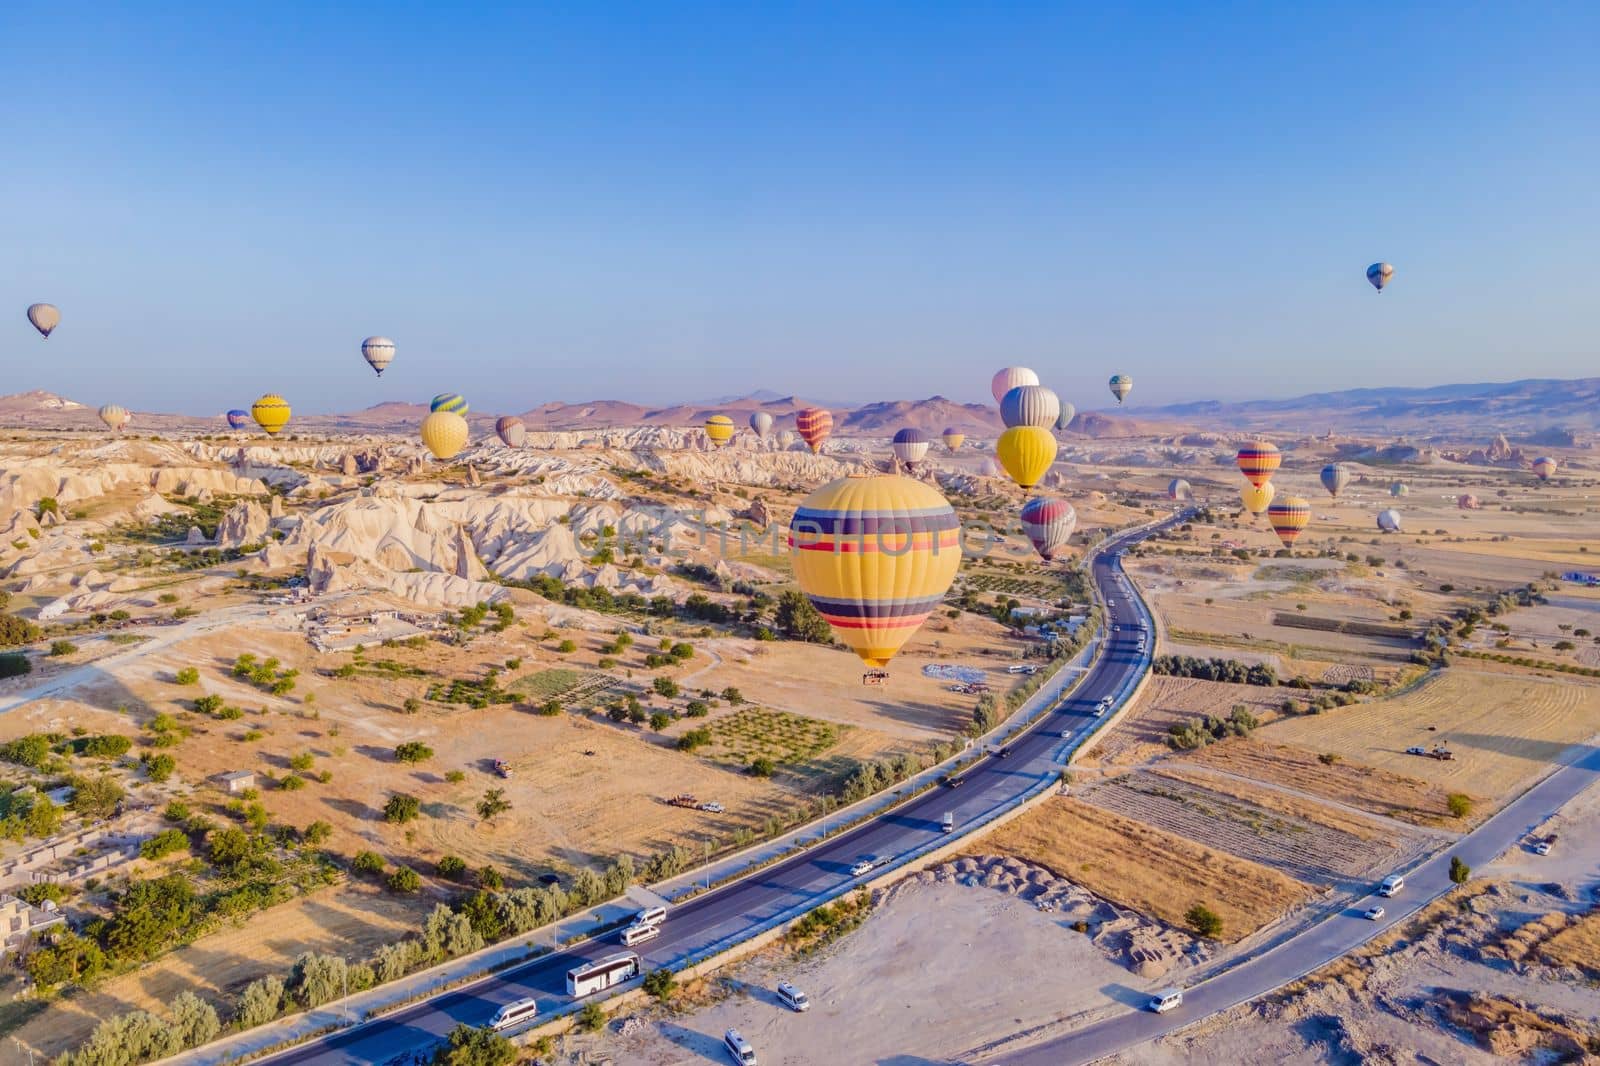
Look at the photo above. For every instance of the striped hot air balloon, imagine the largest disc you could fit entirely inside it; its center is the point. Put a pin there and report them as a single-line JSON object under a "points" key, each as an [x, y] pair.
{"points": [[761, 422], [1009, 378], [1544, 467], [1179, 489], [815, 425], [378, 352], [1258, 460], [1399, 489], [910, 445], [1379, 274], [1026, 452], [444, 433], [1289, 515], [953, 438], [1389, 520], [1121, 385], [1030, 405], [875, 554], [115, 415], [1048, 521], [1335, 476], [1468, 502], [1257, 498], [271, 413], [1064, 419], [45, 318], [719, 429], [238, 419], [453, 402], [511, 430]]}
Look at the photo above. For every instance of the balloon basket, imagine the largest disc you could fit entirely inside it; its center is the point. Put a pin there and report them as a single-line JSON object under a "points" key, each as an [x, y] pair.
{"points": [[875, 677]]}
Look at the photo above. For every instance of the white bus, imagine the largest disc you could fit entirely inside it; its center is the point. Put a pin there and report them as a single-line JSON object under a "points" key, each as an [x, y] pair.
{"points": [[514, 1013], [601, 974]]}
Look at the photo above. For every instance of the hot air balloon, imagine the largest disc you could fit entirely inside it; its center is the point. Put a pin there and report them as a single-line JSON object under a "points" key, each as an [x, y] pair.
{"points": [[1399, 488], [1048, 521], [814, 424], [115, 415], [378, 352], [954, 438], [1288, 515], [1026, 452], [719, 428], [1468, 502], [453, 402], [1179, 489], [1544, 467], [875, 554], [761, 422], [444, 433], [271, 413], [44, 317], [1030, 405], [989, 468], [1258, 460], [1389, 520], [786, 439], [1335, 476], [238, 419], [910, 445], [1121, 385], [1379, 274], [1064, 419], [511, 430], [1257, 498], [1009, 378]]}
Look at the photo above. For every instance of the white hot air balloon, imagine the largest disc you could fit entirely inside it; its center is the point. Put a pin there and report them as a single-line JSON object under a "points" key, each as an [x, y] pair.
{"points": [[378, 352], [761, 422], [1009, 378], [44, 317]]}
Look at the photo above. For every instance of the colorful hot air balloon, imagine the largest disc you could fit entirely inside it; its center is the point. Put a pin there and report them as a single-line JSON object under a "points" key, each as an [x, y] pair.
{"points": [[1399, 488], [1026, 452], [719, 428], [1468, 502], [378, 352], [1030, 405], [444, 433], [1009, 378], [511, 430], [1048, 521], [449, 401], [1121, 385], [271, 413], [814, 424], [1544, 467], [1379, 274], [1258, 460], [910, 445], [45, 318], [954, 438], [875, 554], [1389, 520], [115, 415], [1179, 489], [1335, 476], [1288, 515], [238, 419], [1064, 419], [1257, 498], [761, 422]]}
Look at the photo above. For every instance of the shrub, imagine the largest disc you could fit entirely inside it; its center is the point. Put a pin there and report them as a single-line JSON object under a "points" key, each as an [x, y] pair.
{"points": [[567, 647], [1460, 804], [14, 664], [665, 686], [694, 738], [109, 746], [549, 708], [413, 751], [761, 766], [368, 862], [317, 833], [404, 879], [452, 867], [158, 767], [261, 1001], [660, 720], [62, 647], [470, 1045], [1204, 921], [493, 804], [661, 984], [455, 777], [164, 843], [187, 676], [592, 1018], [1460, 872], [292, 783], [697, 709], [401, 808]]}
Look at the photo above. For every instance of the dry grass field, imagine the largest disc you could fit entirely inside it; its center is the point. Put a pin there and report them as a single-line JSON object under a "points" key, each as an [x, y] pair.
{"points": [[1142, 732], [1275, 799], [1577, 945], [1136, 865]]}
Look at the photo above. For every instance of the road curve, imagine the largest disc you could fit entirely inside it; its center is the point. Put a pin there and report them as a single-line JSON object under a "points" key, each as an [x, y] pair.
{"points": [[742, 908]]}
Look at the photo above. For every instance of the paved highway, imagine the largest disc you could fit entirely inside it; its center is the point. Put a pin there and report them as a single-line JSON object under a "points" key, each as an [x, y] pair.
{"points": [[750, 904]]}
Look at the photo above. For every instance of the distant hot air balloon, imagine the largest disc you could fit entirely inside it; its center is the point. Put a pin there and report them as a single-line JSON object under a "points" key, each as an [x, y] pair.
{"points": [[989, 467], [444, 433], [954, 438], [786, 439], [1288, 515], [1389, 520], [45, 318], [453, 402], [1179, 489], [1468, 502], [1030, 405], [1335, 476], [378, 352], [1026, 452], [1379, 274], [1009, 378], [1399, 488], [1544, 467], [719, 429], [761, 422], [1121, 385], [115, 415], [1257, 498], [238, 419], [1258, 460], [910, 445], [271, 413], [1064, 419], [875, 554], [511, 430], [814, 424], [1048, 521]]}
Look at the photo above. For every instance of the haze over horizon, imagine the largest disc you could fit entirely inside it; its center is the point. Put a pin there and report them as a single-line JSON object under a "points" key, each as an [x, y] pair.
{"points": [[695, 202]]}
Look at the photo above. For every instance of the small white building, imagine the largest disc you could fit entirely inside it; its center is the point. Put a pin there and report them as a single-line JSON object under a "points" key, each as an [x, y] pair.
{"points": [[20, 919], [236, 781]]}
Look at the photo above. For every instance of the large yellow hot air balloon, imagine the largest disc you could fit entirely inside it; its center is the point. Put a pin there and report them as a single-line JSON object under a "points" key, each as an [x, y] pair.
{"points": [[271, 413], [1258, 460], [1257, 498], [1026, 452], [1289, 516], [444, 433], [875, 553], [719, 428]]}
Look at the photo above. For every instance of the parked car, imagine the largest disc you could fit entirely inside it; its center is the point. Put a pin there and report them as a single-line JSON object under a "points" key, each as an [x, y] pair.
{"points": [[1542, 848], [1416, 749]]}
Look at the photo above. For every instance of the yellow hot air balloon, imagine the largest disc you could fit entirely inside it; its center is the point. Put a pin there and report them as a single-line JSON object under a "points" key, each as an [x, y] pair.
{"points": [[875, 553], [271, 413], [720, 429], [1289, 516], [1257, 498], [954, 439], [444, 433], [1026, 452]]}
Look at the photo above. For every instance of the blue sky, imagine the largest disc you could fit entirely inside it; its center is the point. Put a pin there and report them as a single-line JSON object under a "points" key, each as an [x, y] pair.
{"points": [[663, 202]]}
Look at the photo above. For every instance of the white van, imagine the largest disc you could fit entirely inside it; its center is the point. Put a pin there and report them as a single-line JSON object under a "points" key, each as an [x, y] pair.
{"points": [[949, 823], [1165, 1000], [638, 934], [514, 1013], [650, 916], [1392, 885], [793, 998], [739, 1048]]}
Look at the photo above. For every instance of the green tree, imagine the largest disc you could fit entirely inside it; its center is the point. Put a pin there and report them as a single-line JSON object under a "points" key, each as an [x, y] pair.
{"points": [[1204, 921], [95, 798], [472, 1046], [193, 1019], [317, 833], [317, 979], [1460, 872], [451, 867], [61, 648], [413, 751], [259, 1003], [661, 984], [187, 676], [493, 804], [1460, 804], [404, 879], [367, 862], [761, 766], [592, 1018], [401, 808], [798, 620], [158, 766], [665, 686]]}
